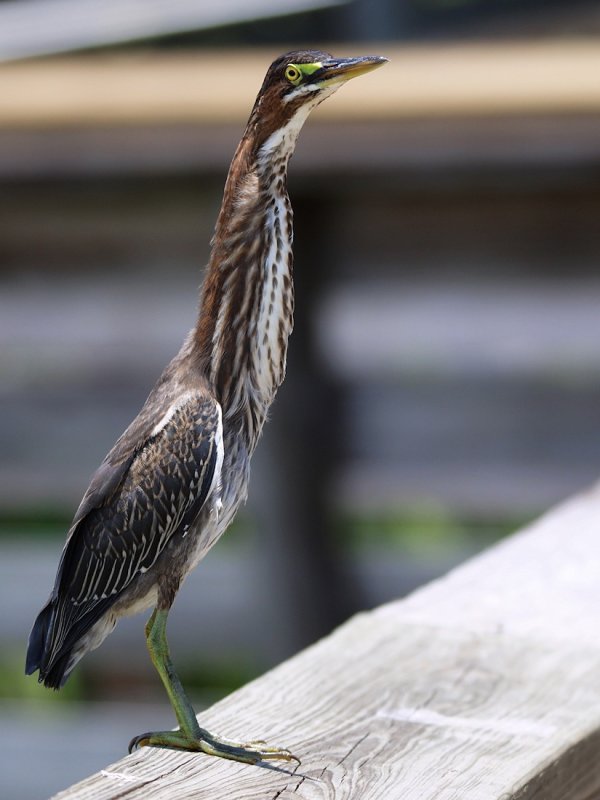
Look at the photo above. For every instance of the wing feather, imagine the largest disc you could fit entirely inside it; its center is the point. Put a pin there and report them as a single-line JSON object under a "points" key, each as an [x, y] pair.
{"points": [[131, 511]]}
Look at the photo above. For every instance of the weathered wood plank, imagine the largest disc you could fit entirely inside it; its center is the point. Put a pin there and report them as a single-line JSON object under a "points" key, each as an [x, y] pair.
{"points": [[484, 685]]}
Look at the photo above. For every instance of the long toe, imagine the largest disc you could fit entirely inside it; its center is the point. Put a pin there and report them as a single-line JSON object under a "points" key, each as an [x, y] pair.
{"points": [[250, 753]]}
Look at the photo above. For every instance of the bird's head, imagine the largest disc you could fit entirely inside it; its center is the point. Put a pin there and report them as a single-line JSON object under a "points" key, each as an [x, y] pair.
{"points": [[295, 83]]}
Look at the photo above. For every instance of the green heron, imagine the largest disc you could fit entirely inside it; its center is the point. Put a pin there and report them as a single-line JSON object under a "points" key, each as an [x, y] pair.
{"points": [[174, 480]]}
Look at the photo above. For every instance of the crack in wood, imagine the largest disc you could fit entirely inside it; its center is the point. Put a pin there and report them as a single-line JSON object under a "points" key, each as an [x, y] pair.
{"points": [[299, 784], [301, 781], [352, 749]]}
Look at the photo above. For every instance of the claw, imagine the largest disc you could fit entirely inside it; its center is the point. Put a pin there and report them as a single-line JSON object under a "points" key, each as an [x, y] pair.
{"points": [[259, 746], [137, 742]]}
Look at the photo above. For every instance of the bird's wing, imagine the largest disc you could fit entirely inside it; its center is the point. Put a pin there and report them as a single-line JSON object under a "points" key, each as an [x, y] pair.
{"points": [[138, 500]]}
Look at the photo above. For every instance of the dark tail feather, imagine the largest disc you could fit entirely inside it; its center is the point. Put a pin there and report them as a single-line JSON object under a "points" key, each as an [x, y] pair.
{"points": [[58, 671], [38, 638], [52, 675], [56, 659]]}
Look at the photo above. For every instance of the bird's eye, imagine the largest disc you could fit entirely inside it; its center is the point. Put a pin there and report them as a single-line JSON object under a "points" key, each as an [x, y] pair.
{"points": [[293, 74]]}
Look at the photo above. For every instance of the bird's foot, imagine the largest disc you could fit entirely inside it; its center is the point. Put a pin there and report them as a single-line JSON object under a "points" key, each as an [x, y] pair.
{"points": [[205, 742]]}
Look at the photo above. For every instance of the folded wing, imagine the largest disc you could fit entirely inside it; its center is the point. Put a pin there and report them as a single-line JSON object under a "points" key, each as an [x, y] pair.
{"points": [[150, 488]]}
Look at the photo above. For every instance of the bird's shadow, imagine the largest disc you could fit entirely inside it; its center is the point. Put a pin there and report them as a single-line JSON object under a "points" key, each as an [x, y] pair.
{"points": [[293, 773]]}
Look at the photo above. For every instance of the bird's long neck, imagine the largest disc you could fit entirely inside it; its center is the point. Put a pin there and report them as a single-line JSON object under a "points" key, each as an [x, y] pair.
{"points": [[246, 314]]}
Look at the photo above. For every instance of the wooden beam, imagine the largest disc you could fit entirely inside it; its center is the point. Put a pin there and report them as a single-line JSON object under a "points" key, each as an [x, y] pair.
{"points": [[559, 146], [557, 77], [483, 685]]}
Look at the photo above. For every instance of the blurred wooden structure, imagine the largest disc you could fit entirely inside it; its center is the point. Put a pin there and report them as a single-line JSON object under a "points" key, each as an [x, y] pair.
{"points": [[457, 163], [482, 686], [436, 201], [555, 77], [445, 354], [537, 100]]}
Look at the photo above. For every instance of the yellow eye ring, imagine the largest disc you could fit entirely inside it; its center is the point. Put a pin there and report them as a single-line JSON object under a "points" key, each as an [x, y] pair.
{"points": [[293, 74]]}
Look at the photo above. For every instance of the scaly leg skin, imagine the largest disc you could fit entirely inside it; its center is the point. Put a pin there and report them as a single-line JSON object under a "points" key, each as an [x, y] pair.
{"points": [[190, 736]]}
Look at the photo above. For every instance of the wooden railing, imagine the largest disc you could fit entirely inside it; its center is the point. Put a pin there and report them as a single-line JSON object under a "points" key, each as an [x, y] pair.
{"points": [[442, 81], [484, 685]]}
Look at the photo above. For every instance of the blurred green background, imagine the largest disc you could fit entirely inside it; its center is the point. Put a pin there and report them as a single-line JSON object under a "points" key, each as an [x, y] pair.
{"points": [[444, 373]]}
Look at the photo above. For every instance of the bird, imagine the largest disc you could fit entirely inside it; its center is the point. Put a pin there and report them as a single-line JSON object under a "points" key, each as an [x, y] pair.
{"points": [[174, 480]]}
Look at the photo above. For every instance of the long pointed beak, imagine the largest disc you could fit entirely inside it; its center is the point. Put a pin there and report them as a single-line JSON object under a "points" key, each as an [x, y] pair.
{"points": [[340, 70]]}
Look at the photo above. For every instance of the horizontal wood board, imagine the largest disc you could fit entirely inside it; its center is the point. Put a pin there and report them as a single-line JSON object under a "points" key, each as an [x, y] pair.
{"points": [[553, 76], [484, 685]]}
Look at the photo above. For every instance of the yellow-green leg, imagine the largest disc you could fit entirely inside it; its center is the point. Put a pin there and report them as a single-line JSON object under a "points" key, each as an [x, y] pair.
{"points": [[190, 736]]}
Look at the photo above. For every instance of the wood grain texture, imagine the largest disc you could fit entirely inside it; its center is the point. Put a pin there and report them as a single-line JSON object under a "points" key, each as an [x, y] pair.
{"points": [[484, 685]]}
